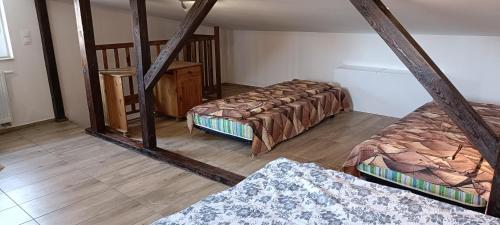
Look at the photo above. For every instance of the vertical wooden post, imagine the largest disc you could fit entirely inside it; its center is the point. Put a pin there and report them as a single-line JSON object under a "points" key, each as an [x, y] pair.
{"points": [[217, 62], [89, 63], [143, 62], [50, 60]]}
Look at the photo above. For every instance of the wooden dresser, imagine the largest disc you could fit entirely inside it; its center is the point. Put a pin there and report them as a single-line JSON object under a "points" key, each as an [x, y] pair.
{"points": [[177, 91]]}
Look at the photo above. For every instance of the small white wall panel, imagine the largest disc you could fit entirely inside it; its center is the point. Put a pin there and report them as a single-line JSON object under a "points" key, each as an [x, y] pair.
{"points": [[382, 91], [5, 111]]}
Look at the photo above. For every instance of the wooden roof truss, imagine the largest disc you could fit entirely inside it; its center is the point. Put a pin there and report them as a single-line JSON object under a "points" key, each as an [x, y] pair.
{"points": [[374, 11]]}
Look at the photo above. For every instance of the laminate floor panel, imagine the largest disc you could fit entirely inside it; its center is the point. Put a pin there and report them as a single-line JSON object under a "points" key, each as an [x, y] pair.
{"points": [[328, 144], [56, 174]]}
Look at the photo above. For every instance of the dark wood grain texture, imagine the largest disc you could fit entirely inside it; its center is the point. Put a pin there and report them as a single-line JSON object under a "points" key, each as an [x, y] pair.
{"points": [[143, 62], [493, 207], [197, 167], [89, 64], [437, 84], [50, 60], [430, 76], [193, 19], [218, 78], [189, 53]]}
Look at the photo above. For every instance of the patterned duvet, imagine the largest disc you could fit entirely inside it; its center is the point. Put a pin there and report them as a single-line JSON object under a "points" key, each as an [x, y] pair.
{"points": [[286, 192], [270, 115], [427, 152]]}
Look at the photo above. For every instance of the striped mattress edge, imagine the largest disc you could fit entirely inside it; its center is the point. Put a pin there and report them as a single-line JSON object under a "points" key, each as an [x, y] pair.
{"points": [[436, 190], [224, 126]]}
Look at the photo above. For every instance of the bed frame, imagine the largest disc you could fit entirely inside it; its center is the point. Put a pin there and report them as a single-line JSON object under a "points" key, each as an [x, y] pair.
{"points": [[374, 11]]}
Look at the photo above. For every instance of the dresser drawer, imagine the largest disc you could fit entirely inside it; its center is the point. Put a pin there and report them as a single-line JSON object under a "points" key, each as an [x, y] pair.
{"points": [[194, 71]]}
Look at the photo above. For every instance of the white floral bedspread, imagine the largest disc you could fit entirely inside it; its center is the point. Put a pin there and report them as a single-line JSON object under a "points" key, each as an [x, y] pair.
{"points": [[287, 192]]}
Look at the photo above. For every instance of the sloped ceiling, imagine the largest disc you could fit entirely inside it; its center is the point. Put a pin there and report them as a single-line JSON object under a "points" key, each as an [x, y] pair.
{"points": [[461, 17]]}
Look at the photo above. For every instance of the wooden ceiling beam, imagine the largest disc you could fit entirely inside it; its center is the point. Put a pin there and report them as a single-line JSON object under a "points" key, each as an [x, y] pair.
{"points": [[193, 19], [431, 77]]}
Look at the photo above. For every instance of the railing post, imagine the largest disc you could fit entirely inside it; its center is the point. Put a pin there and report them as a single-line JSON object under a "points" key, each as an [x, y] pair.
{"points": [[218, 78]]}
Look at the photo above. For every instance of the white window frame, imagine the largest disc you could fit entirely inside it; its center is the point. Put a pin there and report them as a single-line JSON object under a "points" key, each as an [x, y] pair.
{"points": [[3, 21]]}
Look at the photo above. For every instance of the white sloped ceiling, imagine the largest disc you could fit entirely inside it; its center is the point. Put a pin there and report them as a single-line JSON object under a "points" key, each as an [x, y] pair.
{"points": [[462, 17]]}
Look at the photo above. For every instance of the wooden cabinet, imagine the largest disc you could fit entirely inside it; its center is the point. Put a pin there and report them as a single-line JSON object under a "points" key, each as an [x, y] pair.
{"points": [[178, 91]]}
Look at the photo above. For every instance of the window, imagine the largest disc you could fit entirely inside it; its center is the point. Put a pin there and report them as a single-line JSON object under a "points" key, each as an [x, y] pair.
{"points": [[5, 47]]}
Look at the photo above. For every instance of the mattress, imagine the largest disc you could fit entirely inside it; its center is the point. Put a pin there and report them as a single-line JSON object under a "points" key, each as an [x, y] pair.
{"points": [[287, 192], [224, 126], [270, 115], [411, 182], [427, 152]]}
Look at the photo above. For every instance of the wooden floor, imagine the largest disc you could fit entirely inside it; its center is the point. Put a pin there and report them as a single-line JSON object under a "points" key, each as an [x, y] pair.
{"points": [[56, 174], [327, 144]]}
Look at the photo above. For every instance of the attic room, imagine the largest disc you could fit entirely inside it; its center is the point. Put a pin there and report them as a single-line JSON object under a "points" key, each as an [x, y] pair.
{"points": [[249, 112]]}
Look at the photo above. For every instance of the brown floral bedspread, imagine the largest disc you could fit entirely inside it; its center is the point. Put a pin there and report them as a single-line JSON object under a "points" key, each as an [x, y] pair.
{"points": [[427, 145], [278, 112]]}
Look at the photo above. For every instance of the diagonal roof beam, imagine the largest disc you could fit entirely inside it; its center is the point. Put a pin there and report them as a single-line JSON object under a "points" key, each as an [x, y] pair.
{"points": [[193, 19], [430, 76]]}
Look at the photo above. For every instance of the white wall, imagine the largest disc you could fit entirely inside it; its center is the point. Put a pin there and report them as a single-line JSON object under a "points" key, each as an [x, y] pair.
{"points": [[28, 86], [262, 58]]}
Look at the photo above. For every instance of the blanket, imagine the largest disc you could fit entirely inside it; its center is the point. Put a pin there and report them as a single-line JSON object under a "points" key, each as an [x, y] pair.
{"points": [[427, 145], [278, 112], [286, 192]]}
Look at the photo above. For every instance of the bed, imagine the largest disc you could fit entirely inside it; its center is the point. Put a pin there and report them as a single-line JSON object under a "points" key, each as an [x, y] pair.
{"points": [[428, 153], [270, 115], [287, 192]]}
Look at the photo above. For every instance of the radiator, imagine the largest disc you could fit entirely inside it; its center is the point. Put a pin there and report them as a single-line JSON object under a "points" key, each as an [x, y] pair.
{"points": [[5, 112]]}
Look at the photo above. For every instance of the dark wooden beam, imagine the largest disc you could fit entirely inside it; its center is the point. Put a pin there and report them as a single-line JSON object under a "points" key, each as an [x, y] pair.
{"points": [[493, 207], [430, 76], [143, 62], [200, 168], [193, 19], [218, 78], [89, 63], [439, 87], [50, 60]]}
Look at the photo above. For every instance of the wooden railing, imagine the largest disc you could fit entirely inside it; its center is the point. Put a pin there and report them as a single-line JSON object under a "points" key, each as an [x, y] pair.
{"points": [[204, 49]]}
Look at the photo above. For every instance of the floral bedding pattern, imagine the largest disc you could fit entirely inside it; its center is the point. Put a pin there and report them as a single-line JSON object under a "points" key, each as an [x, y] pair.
{"points": [[427, 145], [286, 192], [278, 112]]}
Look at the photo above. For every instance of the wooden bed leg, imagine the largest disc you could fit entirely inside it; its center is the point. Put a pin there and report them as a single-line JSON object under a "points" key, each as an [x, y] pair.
{"points": [[493, 208]]}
